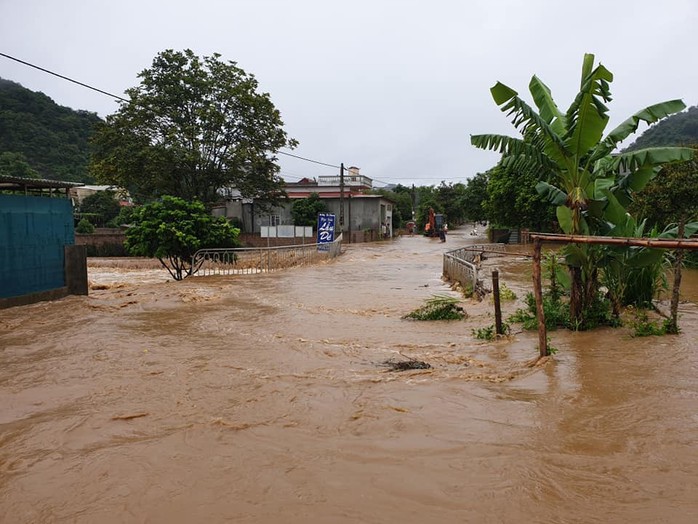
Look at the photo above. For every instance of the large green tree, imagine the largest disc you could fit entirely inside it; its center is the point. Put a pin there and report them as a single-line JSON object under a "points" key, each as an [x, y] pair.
{"points": [[574, 163], [473, 200], [193, 126], [172, 230], [511, 201]]}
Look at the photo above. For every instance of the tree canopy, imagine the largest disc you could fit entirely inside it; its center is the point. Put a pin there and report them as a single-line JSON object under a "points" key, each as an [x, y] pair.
{"points": [[103, 205], [306, 210], [511, 200], [193, 126], [172, 230], [671, 197], [15, 164], [52, 140]]}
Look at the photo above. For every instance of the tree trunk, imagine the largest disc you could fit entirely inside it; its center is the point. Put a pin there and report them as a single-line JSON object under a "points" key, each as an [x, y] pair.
{"points": [[576, 291], [673, 326]]}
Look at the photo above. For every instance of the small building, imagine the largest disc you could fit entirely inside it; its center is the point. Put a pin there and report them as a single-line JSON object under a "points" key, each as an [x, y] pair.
{"points": [[38, 256], [79, 192], [359, 214]]}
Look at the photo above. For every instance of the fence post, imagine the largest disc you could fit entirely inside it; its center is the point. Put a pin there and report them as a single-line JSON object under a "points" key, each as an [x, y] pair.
{"points": [[497, 302], [538, 291]]}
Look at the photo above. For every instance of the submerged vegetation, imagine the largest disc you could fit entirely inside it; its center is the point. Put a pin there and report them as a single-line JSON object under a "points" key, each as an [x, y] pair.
{"points": [[438, 307]]}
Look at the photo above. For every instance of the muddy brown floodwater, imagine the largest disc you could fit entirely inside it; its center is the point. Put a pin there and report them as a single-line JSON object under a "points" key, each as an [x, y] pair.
{"points": [[264, 399]]}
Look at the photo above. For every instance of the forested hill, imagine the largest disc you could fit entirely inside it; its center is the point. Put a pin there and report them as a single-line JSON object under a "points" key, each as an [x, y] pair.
{"points": [[680, 129], [52, 139]]}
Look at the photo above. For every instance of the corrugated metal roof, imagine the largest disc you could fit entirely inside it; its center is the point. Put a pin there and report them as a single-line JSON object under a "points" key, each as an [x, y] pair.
{"points": [[21, 183]]}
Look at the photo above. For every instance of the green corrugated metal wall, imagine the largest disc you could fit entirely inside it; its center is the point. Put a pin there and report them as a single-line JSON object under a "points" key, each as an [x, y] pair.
{"points": [[33, 233]]}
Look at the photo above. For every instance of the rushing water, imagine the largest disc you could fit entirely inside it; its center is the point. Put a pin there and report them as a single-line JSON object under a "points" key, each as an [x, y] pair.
{"points": [[265, 399]]}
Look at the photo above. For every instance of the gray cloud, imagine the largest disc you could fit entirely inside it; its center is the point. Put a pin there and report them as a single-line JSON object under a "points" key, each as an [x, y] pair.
{"points": [[393, 86]]}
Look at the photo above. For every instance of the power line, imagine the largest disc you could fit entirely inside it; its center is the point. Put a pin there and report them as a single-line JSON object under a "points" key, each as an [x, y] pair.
{"points": [[308, 159], [64, 77], [125, 100]]}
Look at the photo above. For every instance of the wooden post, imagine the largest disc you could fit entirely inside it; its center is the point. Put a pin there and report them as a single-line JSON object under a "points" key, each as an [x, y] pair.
{"points": [[341, 197], [675, 292], [538, 291], [497, 302]]}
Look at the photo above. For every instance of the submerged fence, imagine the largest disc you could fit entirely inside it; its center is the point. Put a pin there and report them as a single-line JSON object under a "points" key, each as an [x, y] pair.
{"points": [[462, 265], [252, 260]]}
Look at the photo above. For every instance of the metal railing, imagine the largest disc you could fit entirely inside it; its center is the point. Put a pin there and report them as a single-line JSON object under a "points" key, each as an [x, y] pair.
{"points": [[462, 265], [252, 260]]}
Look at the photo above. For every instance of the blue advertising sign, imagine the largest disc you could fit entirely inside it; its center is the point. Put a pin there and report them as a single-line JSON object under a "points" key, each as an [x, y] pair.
{"points": [[325, 231]]}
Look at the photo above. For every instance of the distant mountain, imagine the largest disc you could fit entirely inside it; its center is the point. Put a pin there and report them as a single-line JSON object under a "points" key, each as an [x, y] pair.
{"points": [[53, 139], [680, 129]]}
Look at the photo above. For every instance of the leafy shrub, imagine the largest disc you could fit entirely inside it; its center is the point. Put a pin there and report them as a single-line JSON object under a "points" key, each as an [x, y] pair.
{"points": [[489, 332], [644, 327], [85, 227]]}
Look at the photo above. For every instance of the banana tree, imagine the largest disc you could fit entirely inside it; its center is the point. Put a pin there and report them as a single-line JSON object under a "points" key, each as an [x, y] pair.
{"points": [[575, 163]]}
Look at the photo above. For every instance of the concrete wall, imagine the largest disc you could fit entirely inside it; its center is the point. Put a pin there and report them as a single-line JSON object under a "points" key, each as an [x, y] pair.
{"points": [[360, 214]]}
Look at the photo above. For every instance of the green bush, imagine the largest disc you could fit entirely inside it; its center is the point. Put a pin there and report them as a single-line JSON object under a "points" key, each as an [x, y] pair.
{"points": [[85, 227]]}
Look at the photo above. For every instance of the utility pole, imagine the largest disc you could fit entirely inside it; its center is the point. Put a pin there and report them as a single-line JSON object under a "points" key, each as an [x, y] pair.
{"points": [[341, 197]]}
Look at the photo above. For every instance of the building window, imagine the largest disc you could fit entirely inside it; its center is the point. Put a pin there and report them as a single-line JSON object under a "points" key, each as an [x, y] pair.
{"points": [[390, 207], [274, 220]]}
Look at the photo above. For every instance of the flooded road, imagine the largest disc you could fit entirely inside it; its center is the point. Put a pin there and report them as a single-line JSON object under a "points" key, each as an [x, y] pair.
{"points": [[265, 399]]}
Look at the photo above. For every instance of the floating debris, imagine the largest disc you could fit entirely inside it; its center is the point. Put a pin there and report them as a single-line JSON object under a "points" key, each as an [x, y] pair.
{"points": [[439, 307], [405, 365]]}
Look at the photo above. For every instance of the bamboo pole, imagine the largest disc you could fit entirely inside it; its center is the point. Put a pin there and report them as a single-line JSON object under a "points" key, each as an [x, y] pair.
{"points": [[619, 241], [538, 291]]}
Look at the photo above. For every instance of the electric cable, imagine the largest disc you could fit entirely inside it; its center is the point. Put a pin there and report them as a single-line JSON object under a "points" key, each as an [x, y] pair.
{"points": [[64, 77]]}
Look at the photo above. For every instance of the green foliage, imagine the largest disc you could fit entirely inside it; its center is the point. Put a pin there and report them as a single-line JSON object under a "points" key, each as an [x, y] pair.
{"points": [[103, 204], [670, 197], [51, 139], [427, 197], [172, 230], [124, 217], [438, 307], [451, 198], [486, 333], [513, 202], [678, 129], [85, 227], [576, 171], [505, 293], [474, 199], [306, 210], [644, 327], [192, 127], [402, 208], [490, 332], [556, 311], [16, 165]]}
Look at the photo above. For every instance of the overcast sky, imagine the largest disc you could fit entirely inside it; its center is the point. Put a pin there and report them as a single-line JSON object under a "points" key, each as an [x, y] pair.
{"points": [[395, 87]]}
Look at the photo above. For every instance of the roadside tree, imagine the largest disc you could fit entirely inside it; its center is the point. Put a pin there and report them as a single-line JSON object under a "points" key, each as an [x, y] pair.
{"points": [[192, 127], [172, 230]]}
